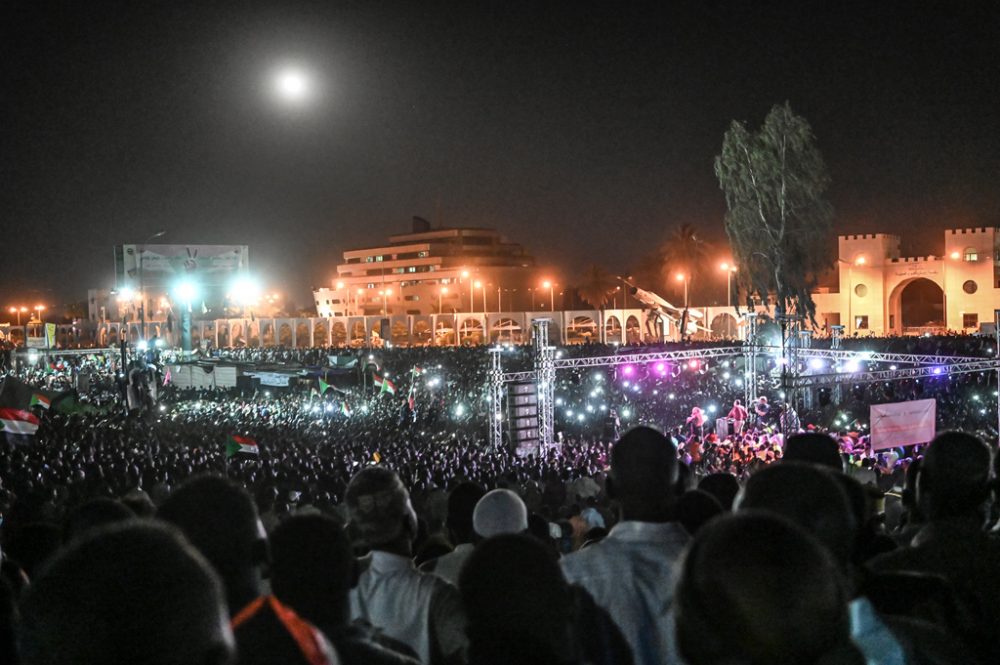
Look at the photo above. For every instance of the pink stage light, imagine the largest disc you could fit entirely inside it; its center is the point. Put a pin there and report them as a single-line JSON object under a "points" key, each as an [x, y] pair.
{"points": [[661, 368], [693, 364], [628, 370]]}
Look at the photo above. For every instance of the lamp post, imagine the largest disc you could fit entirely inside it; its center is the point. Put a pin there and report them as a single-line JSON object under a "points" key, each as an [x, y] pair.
{"points": [[441, 292], [479, 285], [356, 294], [729, 270], [385, 307], [532, 291], [142, 286], [472, 302], [552, 298], [18, 311]]}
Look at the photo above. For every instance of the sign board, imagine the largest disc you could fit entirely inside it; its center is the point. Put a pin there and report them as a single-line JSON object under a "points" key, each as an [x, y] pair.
{"points": [[162, 266], [903, 423], [197, 376], [274, 379]]}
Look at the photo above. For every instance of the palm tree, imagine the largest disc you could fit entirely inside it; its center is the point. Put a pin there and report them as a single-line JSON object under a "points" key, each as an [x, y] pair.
{"points": [[597, 287]]}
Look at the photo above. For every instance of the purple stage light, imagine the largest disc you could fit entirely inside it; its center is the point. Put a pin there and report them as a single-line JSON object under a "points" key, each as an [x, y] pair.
{"points": [[628, 370], [937, 370], [661, 368]]}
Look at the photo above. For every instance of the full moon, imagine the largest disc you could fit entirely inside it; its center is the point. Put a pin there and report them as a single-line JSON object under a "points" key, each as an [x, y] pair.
{"points": [[292, 85]]}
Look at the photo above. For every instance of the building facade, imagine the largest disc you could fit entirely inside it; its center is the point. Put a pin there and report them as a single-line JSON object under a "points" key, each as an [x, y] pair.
{"points": [[879, 292], [432, 271]]}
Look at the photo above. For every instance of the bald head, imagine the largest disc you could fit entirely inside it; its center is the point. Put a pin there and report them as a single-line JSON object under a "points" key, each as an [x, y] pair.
{"points": [[129, 593], [643, 473]]}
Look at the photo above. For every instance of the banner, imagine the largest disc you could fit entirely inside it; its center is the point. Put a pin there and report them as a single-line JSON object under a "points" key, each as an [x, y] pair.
{"points": [[50, 335], [903, 423]]}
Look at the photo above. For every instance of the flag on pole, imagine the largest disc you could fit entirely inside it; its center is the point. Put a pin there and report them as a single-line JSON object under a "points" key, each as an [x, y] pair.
{"points": [[417, 370], [38, 399], [345, 409], [16, 419], [241, 445], [323, 387], [388, 387]]}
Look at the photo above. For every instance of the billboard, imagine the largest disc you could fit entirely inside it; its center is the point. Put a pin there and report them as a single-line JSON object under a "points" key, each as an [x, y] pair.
{"points": [[162, 266]]}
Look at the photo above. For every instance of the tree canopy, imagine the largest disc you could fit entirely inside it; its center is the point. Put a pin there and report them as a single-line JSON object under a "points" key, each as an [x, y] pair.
{"points": [[597, 287], [778, 221]]}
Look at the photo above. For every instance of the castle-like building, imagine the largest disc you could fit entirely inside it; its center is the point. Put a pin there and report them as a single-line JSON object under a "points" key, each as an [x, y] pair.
{"points": [[879, 292]]}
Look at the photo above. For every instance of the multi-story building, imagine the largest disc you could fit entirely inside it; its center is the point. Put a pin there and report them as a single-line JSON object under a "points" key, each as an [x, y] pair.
{"points": [[430, 271], [879, 292]]}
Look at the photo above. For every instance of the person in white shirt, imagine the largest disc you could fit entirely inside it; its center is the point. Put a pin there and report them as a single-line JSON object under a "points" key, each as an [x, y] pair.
{"points": [[418, 609], [462, 501], [630, 572]]}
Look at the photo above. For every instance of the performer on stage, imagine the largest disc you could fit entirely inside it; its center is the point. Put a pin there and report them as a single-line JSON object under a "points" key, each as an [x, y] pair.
{"points": [[737, 417], [762, 410], [695, 422]]}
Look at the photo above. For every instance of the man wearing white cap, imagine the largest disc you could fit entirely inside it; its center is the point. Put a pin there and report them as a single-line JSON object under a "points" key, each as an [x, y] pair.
{"points": [[418, 609], [499, 512]]}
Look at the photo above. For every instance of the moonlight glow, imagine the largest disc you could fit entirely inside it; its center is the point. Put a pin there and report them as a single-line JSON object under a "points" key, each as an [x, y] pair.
{"points": [[292, 85]]}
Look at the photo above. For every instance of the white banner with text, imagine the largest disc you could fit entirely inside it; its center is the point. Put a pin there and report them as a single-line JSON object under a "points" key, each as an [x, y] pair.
{"points": [[903, 423]]}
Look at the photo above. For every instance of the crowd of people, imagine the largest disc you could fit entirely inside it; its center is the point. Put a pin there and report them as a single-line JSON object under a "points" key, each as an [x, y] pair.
{"points": [[351, 523]]}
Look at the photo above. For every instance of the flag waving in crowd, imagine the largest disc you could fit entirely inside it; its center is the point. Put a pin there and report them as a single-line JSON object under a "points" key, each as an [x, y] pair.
{"points": [[16, 401], [241, 445], [383, 384]]}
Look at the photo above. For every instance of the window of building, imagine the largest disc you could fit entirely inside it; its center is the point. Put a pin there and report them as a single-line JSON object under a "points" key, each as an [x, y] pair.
{"points": [[369, 259], [970, 286], [423, 254], [861, 322], [379, 258], [892, 321], [371, 285], [861, 290], [398, 271], [970, 320], [411, 298], [971, 254], [412, 269]]}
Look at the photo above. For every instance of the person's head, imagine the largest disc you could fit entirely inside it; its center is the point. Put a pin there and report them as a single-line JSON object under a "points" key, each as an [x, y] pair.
{"points": [[132, 592], [93, 514], [381, 515], [517, 603], [736, 402], [739, 578], [809, 496], [220, 520], [723, 485], [954, 477], [643, 475], [499, 512], [695, 508], [462, 502], [813, 448], [312, 568]]}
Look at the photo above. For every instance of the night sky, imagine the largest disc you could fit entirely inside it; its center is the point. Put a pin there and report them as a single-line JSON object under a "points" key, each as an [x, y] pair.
{"points": [[586, 132]]}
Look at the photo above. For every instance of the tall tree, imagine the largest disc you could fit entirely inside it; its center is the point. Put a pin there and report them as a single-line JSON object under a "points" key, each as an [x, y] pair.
{"points": [[778, 220], [597, 286]]}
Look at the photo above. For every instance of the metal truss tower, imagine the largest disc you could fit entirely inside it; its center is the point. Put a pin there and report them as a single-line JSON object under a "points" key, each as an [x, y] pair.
{"points": [[496, 390], [545, 382]]}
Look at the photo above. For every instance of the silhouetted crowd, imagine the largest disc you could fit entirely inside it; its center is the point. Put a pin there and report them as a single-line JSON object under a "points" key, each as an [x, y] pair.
{"points": [[356, 525]]}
